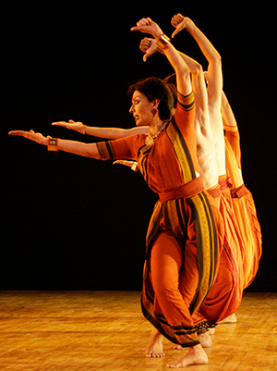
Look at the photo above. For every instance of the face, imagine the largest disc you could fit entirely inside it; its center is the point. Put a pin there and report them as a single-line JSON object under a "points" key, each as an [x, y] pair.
{"points": [[141, 109]]}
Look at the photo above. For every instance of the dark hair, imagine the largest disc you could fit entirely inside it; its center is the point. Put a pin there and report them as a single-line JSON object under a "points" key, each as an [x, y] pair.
{"points": [[171, 79], [155, 88]]}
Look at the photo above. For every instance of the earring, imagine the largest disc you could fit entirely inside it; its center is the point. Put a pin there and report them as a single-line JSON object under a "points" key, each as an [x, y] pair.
{"points": [[154, 111]]}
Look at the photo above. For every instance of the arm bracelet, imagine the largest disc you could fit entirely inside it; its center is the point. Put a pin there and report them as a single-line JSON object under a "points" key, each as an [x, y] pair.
{"points": [[52, 144], [163, 41]]}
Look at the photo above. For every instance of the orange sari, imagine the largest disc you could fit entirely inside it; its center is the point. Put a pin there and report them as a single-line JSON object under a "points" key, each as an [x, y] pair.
{"points": [[244, 208], [181, 241]]}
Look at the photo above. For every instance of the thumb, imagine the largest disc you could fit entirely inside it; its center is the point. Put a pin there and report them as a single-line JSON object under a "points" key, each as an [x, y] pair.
{"points": [[175, 33], [145, 57]]}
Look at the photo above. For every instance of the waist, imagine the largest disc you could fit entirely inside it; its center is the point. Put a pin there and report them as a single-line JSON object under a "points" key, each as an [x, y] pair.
{"points": [[239, 192], [215, 192], [187, 190], [224, 182]]}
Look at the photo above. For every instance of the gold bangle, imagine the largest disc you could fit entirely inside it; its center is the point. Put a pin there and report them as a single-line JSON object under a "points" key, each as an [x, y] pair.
{"points": [[52, 144], [163, 41], [135, 166]]}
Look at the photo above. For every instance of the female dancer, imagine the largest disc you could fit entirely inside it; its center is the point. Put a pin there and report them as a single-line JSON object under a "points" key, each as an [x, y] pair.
{"points": [[242, 199], [225, 296], [181, 244]]}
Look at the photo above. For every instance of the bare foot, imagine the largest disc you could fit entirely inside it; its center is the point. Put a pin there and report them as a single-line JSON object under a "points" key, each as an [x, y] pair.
{"points": [[204, 339], [195, 356], [211, 330], [155, 347], [231, 319]]}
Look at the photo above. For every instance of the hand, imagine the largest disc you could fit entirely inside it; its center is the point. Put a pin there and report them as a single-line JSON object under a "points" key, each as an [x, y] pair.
{"points": [[146, 25], [132, 164], [36, 137], [179, 22], [149, 47], [72, 125]]}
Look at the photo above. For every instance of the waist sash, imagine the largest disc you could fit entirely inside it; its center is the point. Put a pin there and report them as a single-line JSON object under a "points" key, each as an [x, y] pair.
{"points": [[187, 190], [239, 192]]}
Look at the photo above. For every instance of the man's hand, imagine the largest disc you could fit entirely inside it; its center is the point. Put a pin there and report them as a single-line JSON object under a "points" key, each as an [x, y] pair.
{"points": [[180, 22], [146, 25]]}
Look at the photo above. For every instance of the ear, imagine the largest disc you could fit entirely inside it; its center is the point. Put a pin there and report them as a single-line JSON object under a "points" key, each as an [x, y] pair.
{"points": [[156, 102]]}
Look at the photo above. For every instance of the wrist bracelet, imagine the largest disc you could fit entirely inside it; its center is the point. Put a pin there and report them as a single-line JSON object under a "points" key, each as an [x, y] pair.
{"points": [[163, 41], [52, 144], [135, 166], [84, 129]]}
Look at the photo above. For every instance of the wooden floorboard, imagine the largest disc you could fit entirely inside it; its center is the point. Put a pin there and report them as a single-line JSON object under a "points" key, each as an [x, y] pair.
{"points": [[89, 330]]}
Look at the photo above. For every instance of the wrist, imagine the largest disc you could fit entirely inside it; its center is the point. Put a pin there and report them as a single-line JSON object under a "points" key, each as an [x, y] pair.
{"points": [[162, 41], [157, 32], [52, 144], [190, 26]]}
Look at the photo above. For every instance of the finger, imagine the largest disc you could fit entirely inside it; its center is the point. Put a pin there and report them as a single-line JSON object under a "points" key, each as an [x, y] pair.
{"points": [[144, 22], [174, 33], [60, 123], [177, 30], [145, 44], [177, 19], [15, 132], [140, 28]]}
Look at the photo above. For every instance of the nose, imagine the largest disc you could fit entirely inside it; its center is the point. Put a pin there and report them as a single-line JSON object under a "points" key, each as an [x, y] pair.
{"points": [[131, 110]]}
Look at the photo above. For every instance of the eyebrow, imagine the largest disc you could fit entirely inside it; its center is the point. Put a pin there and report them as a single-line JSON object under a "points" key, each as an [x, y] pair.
{"points": [[137, 96]]}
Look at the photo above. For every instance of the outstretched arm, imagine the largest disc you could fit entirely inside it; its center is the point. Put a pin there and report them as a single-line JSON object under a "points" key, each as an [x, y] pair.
{"points": [[108, 133], [214, 75], [77, 148], [146, 25]]}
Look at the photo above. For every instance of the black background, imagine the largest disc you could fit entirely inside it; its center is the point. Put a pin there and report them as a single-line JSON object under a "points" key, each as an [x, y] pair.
{"points": [[76, 223]]}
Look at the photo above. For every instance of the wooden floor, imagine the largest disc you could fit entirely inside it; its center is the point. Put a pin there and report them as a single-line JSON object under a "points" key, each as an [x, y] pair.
{"points": [[91, 330]]}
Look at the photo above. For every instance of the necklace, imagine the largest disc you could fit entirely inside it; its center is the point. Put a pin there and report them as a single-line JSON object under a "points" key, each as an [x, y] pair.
{"points": [[149, 140]]}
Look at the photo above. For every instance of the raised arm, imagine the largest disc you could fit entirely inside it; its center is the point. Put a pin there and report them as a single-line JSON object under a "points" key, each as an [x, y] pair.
{"points": [[77, 148], [214, 75], [231, 128], [108, 133], [227, 112], [146, 25]]}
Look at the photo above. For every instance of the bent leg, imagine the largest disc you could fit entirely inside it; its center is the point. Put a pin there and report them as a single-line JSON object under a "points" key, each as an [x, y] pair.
{"points": [[170, 304]]}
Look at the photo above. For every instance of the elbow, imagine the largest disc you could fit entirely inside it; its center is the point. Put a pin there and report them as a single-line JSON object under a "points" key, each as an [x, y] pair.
{"points": [[217, 59], [197, 69]]}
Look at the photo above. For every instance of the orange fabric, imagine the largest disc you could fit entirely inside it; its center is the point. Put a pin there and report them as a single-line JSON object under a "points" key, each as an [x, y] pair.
{"points": [[161, 163], [232, 167], [249, 226], [233, 137], [215, 193], [190, 189], [173, 295], [233, 246], [244, 210], [181, 242], [188, 133], [224, 298]]}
